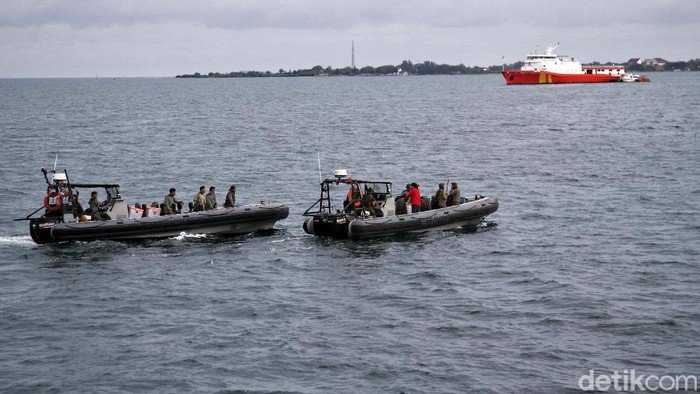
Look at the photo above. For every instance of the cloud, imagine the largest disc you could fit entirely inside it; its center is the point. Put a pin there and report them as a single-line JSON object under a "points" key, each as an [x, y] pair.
{"points": [[161, 38], [320, 14]]}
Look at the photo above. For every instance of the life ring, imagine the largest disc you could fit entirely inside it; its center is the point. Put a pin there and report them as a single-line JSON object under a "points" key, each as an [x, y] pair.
{"points": [[57, 201]]}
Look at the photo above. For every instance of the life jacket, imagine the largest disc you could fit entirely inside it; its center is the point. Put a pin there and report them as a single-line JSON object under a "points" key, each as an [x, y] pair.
{"points": [[355, 197], [414, 196], [135, 212]]}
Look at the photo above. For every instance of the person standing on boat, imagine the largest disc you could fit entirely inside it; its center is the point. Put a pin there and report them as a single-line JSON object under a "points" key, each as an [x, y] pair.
{"points": [[170, 204], [405, 191], [230, 197], [440, 199], [414, 198], [198, 203], [454, 198], [210, 199]]}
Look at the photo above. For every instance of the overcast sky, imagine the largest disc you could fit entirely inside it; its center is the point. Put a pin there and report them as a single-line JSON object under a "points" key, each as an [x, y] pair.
{"points": [[84, 38]]}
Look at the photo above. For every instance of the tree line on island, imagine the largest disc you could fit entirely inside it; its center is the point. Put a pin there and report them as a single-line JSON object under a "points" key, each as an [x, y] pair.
{"points": [[405, 68], [425, 68]]}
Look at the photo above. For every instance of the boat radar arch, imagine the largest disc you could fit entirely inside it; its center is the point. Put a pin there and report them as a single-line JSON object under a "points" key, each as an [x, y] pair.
{"points": [[340, 173]]}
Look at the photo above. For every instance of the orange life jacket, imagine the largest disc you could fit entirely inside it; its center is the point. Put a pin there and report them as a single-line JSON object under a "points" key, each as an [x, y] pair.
{"points": [[355, 197]]}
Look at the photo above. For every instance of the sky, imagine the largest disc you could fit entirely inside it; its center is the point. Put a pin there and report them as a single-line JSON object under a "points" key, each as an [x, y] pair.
{"points": [[153, 38]]}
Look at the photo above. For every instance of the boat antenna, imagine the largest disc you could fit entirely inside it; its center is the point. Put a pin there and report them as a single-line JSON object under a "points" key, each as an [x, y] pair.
{"points": [[55, 162], [318, 156]]}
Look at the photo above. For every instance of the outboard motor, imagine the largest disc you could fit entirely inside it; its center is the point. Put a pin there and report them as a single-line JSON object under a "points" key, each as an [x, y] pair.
{"points": [[309, 226], [40, 229]]}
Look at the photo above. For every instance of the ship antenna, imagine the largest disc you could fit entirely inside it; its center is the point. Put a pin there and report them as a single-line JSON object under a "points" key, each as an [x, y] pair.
{"points": [[55, 162], [318, 156]]}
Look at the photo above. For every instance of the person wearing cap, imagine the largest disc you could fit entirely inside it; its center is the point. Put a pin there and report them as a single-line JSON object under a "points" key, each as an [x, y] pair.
{"points": [[198, 203], [414, 198], [454, 198], [170, 203], [230, 197], [210, 199], [440, 199], [405, 191]]}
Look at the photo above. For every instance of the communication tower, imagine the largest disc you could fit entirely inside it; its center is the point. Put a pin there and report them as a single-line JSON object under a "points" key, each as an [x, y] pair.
{"points": [[352, 62]]}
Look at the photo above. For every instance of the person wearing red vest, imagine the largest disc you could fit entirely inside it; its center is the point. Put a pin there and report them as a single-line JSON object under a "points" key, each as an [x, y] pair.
{"points": [[414, 198], [353, 199]]}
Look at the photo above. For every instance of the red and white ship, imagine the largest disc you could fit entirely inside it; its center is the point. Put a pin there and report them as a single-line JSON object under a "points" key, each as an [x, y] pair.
{"points": [[549, 68]]}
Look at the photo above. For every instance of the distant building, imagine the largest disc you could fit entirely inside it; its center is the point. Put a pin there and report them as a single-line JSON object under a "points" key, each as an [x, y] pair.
{"points": [[657, 62]]}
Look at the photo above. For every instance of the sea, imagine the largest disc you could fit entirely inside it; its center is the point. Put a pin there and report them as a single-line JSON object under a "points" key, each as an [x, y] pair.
{"points": [[591, 263]]}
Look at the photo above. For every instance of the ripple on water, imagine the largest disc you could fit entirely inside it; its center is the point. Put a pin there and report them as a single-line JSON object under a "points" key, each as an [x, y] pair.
{"points": [[592, 264]]}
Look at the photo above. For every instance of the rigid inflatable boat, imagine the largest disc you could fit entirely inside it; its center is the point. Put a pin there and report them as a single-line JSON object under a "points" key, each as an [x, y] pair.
{"points": [[63, 221], [360, 222]]}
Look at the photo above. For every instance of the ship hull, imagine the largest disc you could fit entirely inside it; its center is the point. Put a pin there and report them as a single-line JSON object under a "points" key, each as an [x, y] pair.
{"points": [[522, 77], [468, 214], [225, 221]]}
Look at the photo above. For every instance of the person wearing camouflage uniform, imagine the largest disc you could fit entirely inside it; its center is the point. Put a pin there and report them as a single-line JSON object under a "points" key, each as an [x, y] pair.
{"points": [[454, 198], [210, 199], [170, 204], [198, 203], [440, 199], [230, 197]]}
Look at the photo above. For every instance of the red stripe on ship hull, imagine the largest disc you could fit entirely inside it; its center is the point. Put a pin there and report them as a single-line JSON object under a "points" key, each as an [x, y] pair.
{"points": [[519, 77]]}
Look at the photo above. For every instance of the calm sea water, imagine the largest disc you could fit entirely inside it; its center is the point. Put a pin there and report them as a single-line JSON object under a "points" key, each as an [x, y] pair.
{"points": [[593, 264]]}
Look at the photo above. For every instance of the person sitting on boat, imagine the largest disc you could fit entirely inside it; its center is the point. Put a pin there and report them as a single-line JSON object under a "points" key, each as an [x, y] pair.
{"points": [[135, 211], [153, 210], [230, 197], [369, 202], [414, 198], [354, 198], [425, 203], [400, 205], [94, 207], [198, 202], [75, 204], [401, 201], [170, 203], [210, 199], [454, 198], [440, 199]]}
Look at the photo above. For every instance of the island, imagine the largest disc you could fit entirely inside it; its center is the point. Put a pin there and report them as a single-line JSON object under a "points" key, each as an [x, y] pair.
{"points": [[407, 67]]}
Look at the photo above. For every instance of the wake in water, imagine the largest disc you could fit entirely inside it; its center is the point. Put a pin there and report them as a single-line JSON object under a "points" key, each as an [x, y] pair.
{"points": [[183, 235], [16, 240]]}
